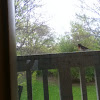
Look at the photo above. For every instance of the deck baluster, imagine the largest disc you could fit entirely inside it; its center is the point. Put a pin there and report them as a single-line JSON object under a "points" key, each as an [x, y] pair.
{"points": [[45, 84], [97, 81], [65, 83], [29, 81], [83, 83]]}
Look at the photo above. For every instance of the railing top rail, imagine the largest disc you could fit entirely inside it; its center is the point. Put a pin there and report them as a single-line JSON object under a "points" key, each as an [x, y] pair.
{"points": [[73, 59], [37, 56]]}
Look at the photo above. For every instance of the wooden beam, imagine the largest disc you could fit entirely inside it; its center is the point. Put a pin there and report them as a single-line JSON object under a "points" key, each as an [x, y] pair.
{"points": [[89, 53], [70, 59], [51, 61], [22, 65]]}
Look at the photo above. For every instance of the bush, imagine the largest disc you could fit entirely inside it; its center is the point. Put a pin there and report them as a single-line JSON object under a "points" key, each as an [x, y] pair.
{"points": [[53, 72], [34, 76], [22, 78], [75, 74], [89, 74], [39, 73]]}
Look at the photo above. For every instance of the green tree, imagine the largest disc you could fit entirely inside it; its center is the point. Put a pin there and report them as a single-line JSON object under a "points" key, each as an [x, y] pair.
{"points": [[89, 16], [40, 41], [81, 35], [32, 36], [66, 44]]}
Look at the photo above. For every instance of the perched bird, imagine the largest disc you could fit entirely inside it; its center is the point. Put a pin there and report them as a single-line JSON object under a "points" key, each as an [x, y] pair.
{"points": [[82, 48]]}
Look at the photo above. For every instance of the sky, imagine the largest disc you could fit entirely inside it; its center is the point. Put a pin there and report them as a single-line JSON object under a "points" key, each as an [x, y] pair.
{"points": [[59, 13]]}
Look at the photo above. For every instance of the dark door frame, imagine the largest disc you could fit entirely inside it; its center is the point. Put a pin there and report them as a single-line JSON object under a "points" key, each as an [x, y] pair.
{"points": [[8, 79]]}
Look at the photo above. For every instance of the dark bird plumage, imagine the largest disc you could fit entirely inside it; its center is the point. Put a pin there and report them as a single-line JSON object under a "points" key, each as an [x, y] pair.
{"points": [[82, 48]]}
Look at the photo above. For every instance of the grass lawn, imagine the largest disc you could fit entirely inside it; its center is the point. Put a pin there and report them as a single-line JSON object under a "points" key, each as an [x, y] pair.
{"points": [[54, 92]]}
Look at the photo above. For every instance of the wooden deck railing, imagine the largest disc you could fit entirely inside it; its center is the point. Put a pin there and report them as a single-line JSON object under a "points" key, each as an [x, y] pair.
{"points": [[63, 62]]}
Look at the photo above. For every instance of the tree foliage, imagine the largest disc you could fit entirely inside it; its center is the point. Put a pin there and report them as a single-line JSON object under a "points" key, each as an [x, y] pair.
{"points": [[90, 17], [32, 36], [66, 44], [81, 35]]}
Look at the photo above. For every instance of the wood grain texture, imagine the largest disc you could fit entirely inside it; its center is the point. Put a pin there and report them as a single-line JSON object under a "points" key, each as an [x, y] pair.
{"points": [[65, 83], [97, 81], [70, 59], [29, 82], [22, 65], [50, 61], [83, 83], [45, 84]]}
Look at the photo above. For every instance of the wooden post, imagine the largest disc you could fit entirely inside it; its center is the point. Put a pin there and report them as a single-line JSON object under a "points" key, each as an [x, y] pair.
{"points": [[29, 81], [45, 84], [20, 89], [97, 81], [65, 83], [83, 83]]}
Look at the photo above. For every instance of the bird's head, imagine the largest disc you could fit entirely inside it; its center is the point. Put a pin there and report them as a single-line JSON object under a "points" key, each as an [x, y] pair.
{"points": [[79, 45]]}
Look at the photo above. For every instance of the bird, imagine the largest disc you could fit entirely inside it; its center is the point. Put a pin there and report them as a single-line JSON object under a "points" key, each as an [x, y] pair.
{"points": [[82, 48]]}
